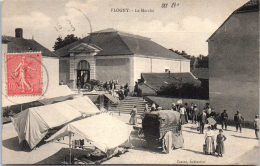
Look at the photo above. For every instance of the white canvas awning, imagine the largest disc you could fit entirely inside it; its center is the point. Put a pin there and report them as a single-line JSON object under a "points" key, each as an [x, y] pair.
{"points": [[58, 91], [103, 131], [33, 124], [83, 105]]}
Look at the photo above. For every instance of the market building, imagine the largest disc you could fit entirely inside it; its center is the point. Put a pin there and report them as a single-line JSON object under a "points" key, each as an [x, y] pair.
{"points": [[113, 55], [234, 62]]}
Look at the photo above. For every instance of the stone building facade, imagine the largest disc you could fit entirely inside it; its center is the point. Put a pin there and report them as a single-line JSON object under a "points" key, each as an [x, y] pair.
{"points": [[113, 55]]}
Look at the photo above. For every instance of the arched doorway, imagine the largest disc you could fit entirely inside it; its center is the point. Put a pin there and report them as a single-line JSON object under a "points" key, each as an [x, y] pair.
{"points": [[83, 73]]}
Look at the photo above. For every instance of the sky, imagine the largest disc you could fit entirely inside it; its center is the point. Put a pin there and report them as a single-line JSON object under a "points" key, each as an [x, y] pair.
{"points": [[186, 26]]}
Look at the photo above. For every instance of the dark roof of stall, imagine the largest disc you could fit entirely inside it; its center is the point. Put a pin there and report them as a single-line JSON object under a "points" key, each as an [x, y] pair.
{"points": [[113, 42], [17, 45], [158, 80], [146, 89]]}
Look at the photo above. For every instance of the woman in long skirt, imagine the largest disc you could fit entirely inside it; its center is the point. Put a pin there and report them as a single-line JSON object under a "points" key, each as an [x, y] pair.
{"points": [[146, 110], [133, 118], [209, 141], [220, 143], [182, 115]]}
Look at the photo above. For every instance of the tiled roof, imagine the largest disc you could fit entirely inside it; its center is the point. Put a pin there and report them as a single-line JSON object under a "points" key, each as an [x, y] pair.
{"points": [[113, 42], [105, 30], [16, 45], [201, 73], [146, 90], [158, 80]]}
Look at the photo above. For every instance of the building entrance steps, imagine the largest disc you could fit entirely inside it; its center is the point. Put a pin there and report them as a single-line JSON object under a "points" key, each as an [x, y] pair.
{"points": [[125, 106]]}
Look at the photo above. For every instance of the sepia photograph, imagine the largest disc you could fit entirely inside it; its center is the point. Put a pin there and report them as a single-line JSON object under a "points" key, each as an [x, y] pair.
{"points": [[171, 82]]}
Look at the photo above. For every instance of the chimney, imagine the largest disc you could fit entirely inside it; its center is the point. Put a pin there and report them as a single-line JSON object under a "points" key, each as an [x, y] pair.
{"points": [[19, 33]]}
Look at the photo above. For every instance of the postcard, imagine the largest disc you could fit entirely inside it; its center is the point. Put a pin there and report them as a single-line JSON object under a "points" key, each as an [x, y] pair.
{"points": [[130, 82]]}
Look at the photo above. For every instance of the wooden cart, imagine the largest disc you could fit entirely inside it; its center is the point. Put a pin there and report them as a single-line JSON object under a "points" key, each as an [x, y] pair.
{"points": [[156, 124]]}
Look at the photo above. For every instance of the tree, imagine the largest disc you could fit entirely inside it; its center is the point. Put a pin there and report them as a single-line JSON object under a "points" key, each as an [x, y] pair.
{"points": [[195, 62], [180, 90], [59, 43], [203, 61]]}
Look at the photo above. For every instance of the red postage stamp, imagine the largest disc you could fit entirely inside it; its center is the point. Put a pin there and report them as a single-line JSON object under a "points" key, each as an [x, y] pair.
{"points": [[24, 75]]}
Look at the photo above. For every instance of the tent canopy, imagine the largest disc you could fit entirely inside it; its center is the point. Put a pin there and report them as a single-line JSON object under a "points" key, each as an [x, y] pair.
{"points": [[56, 99], [32, 124], [103, 131], [58, 91], [84, 105]]}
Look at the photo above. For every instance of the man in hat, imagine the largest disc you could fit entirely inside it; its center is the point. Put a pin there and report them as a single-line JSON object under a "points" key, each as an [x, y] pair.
{"points": [[187, 112], [178, 106], [194, 114], [224, 118], [238, 120], [203, 120], [190, 111], [256, 125], [208, 112], [213, 115], [136, 89]]}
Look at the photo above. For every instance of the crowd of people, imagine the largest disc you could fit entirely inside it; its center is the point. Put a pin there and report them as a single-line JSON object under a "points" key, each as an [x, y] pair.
{"points": [[113, 88], [206, 116], [193, 115], [110, 85]]}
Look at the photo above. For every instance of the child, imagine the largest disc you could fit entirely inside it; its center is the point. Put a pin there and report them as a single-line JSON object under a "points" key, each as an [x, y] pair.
{"points": [[220, 143]]}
